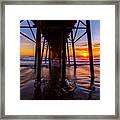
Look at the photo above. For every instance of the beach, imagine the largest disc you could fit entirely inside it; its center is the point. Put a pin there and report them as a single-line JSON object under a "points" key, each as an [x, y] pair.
{"points": [[29, 90]]}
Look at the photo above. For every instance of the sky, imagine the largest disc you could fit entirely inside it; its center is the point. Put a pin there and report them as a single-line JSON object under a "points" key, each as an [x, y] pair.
{"points": [[27, 47]]}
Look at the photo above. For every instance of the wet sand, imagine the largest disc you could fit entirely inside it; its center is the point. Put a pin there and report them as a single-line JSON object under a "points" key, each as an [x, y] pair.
{"points": [[52, 90]]}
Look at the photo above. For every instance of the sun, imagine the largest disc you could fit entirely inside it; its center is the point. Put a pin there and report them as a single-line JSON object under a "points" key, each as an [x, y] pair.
{"points": [[85, 54]]}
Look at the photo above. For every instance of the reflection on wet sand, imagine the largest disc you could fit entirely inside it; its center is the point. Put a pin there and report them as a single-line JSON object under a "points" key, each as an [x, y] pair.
{"points": [[76, 85]]}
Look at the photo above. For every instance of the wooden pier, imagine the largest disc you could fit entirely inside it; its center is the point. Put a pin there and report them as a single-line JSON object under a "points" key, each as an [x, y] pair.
{"points": [[55, 35]]}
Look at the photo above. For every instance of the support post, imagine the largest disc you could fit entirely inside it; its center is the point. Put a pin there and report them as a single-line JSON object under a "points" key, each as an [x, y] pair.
{"points": [[90, 51], [49, 56], [68, 52], [38, 52], [43, 49], [73, 52], [59, 56], [46, 53], [36, 55], [63, 58], [52, 56]]}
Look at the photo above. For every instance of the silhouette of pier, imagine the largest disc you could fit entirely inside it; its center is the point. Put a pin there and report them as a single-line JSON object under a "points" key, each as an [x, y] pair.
{"points": [[52, 36]]}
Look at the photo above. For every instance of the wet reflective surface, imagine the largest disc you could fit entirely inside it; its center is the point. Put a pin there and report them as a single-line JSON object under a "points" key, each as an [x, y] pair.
{"points": [[76, 86]]}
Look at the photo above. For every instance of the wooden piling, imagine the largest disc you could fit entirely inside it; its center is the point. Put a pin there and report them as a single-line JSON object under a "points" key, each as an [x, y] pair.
{"points": [[43, 49], [52, 56], [49, 56], [63, 58], [38, 52], [73, 48], [90, 52], [46, 53], [36, 55], [68, 52]]}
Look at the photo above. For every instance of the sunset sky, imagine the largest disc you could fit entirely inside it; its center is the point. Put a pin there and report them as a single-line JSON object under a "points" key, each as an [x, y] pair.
{"points": [[81, 48]]}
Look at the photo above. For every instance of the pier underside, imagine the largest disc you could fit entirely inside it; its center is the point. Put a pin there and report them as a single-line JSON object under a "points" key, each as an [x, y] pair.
{"points": [[54, 35]]}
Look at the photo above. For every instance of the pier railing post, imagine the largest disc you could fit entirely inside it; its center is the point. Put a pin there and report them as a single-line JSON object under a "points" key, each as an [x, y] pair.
{"points": [[90, 51]]}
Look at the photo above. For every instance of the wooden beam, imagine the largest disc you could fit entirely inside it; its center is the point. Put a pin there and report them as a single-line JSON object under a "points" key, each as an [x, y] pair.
{"points": [[76, 30], [31, 30], [80, 37], [82, 22], [27, 27], [27, 37], [21, 21]]}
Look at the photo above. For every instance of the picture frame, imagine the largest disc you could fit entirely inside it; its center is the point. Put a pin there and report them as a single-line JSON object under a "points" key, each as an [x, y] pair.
{"points": [[117, 50]]}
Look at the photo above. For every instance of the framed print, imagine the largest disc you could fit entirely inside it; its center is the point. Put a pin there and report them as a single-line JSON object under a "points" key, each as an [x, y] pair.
{"points": [[60, 60]]}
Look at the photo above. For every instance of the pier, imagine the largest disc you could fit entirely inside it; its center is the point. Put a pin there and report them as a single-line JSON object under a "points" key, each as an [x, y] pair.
{"points": [[53, 38]]}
